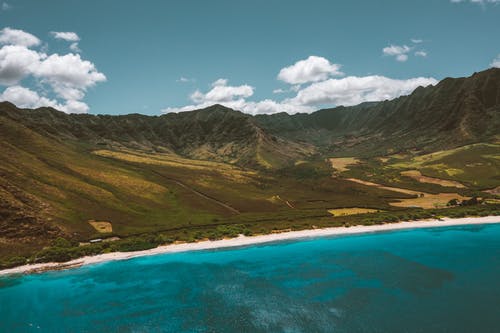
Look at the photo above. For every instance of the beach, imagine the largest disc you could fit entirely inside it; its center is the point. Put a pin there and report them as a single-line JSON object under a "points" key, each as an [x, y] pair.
{"points": [[250, 240]]}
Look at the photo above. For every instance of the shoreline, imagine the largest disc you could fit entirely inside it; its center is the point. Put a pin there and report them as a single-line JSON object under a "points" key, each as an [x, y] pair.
{"points": [[248, 241]]}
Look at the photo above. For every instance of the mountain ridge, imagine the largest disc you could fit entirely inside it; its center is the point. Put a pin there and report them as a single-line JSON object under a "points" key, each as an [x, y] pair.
{"points": [[452, 113], [184, 175]]}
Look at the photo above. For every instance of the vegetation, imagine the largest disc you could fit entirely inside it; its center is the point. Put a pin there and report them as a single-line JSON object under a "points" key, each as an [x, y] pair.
{"points": [[215, 173], [63, 250]]}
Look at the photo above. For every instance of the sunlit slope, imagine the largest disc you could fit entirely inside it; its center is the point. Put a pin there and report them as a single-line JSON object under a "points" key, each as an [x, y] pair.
{"points": [[51, 188], [184, 175], [216, 133], [475, 166]]}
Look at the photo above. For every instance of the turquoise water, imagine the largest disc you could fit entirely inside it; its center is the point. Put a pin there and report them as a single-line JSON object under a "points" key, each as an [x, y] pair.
{"points": [[426, 280]]}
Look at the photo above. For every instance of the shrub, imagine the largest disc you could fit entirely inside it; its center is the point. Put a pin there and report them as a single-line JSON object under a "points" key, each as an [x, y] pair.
{"points": [[13, 262]]}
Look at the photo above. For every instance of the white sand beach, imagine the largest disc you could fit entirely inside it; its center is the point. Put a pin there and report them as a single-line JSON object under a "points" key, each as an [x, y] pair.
{"points": [[250, 240]]}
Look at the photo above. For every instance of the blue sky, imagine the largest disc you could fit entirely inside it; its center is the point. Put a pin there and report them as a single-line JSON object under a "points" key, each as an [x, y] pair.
{"points": [[257, 56]]}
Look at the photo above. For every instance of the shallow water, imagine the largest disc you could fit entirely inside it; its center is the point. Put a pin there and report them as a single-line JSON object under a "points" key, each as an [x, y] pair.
{"points": [[424, 280]]}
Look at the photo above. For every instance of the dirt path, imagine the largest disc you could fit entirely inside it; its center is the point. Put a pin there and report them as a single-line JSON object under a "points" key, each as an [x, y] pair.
{"points": [[198, 193], [185, 186], [394, 189]]}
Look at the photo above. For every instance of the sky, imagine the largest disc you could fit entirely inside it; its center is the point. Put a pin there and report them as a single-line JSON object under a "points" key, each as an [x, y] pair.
{"points": [[154, 57]]}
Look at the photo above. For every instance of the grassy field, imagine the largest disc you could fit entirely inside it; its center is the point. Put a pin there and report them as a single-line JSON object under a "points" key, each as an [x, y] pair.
{"points": [[428, 201], [351, 211], [417, 175], [475, 166], [52, 189], [102, 226], [341, 164]]}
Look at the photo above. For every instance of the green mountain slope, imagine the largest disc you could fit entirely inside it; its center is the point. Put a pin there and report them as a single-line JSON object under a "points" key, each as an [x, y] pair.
{"points": [[217, 171], [455, 112]]}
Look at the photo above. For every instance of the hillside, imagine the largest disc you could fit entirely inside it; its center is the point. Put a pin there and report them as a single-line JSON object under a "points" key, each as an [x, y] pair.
{"points": [[218, 172], [455, 112]]}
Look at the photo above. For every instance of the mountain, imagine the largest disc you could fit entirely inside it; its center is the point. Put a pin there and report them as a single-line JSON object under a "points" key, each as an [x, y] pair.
{"points": [[182, 175], [454, 112], [215, 133]]}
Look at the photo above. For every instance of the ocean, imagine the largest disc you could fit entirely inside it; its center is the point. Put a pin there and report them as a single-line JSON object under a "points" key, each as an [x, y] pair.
{"points": [[422, 280]]}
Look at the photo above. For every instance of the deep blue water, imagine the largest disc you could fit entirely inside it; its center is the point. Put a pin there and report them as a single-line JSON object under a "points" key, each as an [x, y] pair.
{"points": [[426, 280]]}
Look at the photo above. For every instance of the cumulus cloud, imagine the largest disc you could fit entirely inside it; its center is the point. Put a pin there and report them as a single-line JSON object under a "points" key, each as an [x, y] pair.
{"points": [[329, 92], [74, 47], [400, 52], [17, 37], [230, 96], [68, 73], [221, 92], [67, 36], [219, 82], [496, 62], [68, 76], [312, 69], [26, 98], [16, 62], [354, 90]]}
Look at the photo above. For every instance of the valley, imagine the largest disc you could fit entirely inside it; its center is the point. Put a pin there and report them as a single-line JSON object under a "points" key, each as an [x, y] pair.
{"points": [[135, 182]]}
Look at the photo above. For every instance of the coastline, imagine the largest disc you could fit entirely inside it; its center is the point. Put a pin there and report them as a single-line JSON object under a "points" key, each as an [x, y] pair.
{"points": [[248, 241]]}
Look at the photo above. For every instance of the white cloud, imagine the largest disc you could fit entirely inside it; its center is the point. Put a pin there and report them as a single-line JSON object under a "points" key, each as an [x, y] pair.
{"points": [[73, 106], [266, 106], [482, 2], [312, 69], [400, 52], [353, 90], [496, 62], [394, 50], [75, 47], [67, 36], [16, 62], [221, 93], [68, 75], [346, 91], [26, 98], [68, 70], [402, 57], [10, 36], [219, 82]]}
